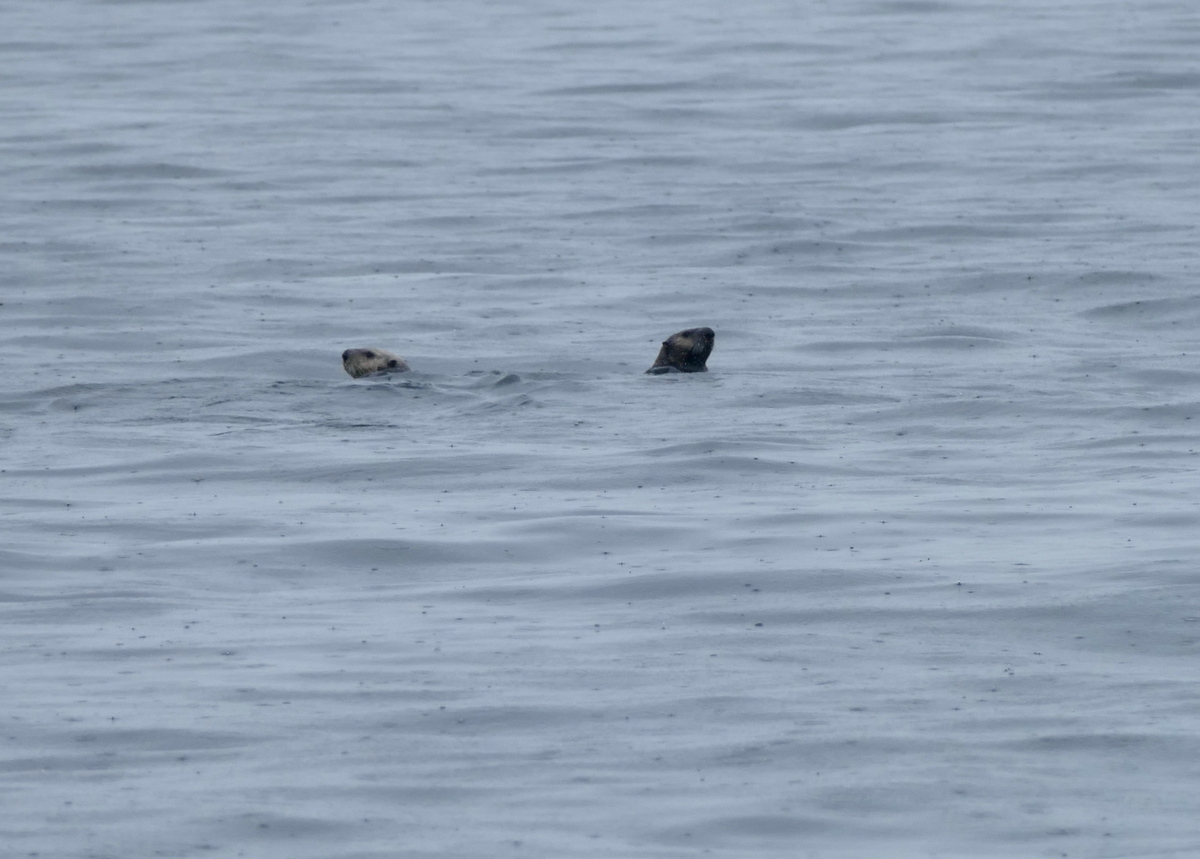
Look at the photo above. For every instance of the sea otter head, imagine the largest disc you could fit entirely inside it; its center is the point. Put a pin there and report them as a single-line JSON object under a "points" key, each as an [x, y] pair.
{"points": [[686, 352], [364, 362]]}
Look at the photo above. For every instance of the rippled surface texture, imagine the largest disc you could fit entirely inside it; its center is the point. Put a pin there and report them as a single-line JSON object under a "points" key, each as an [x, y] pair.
{"points": [[912, 571]]}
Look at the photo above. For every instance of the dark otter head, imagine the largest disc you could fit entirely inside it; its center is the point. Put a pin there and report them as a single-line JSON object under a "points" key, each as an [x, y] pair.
{"points": [[686, 352]]}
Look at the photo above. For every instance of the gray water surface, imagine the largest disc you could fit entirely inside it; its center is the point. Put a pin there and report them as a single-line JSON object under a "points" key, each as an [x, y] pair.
{"points": [[912, 571]]}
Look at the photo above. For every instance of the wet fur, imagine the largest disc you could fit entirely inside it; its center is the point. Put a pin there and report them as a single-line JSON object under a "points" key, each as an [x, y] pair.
{"points": [[685, 352], [367, 362]]}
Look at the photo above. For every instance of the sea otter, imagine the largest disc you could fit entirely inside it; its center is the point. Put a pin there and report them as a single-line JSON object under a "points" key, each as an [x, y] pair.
{"points": [[367, 362], [684, 352]]}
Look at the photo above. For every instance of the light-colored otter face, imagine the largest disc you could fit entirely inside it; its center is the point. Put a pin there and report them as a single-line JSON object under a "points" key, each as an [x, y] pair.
{"points": [[364, 362], [686, 352]]}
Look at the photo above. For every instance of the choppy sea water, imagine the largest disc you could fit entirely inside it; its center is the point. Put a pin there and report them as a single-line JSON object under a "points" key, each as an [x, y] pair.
{"points": [[912, 571]]}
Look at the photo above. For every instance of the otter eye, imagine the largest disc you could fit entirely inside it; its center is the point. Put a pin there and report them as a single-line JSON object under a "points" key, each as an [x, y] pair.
{"points": [[368, 354], [392, 364]]}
